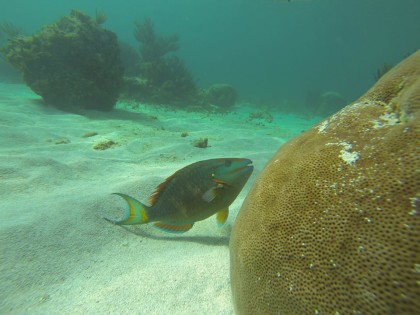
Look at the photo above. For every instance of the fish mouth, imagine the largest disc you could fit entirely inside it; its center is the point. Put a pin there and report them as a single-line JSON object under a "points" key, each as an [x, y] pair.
{"points": [[237, 175], [248, 166], [244, 167]]}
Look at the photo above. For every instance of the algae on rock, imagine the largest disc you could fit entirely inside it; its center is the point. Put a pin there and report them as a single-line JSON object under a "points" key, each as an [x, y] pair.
{"points": [[163, 78], [73, 63]]}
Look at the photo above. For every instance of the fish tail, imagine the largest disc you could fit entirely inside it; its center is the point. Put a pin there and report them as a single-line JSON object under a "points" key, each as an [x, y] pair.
{"points": [[136, 212]]}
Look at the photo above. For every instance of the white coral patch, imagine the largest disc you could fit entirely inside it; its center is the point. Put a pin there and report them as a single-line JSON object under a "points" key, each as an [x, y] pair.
{"points": [[348, 156], [360, 105], [414, 201], [385, 120], [323, 126]]}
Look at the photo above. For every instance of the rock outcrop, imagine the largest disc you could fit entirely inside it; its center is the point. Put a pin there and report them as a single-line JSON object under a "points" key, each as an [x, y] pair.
{"points": [[332, 225], [73, 63]]}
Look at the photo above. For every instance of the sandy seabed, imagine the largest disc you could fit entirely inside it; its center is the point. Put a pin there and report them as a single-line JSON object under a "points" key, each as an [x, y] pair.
{"points": [[58, 254]]}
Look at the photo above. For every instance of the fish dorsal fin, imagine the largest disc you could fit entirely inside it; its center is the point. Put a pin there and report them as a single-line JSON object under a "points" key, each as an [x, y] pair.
{"points": [[155, 195], [160, 188], [173, 228], [222, 216]]}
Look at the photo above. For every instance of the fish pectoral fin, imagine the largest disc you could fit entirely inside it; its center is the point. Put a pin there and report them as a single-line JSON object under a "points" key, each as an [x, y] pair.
{"points": [[222, 216], [173, 228], [210, 194]]}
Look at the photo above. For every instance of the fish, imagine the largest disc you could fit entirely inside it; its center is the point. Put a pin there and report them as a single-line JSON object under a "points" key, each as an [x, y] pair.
{"points": [[191, 194]]}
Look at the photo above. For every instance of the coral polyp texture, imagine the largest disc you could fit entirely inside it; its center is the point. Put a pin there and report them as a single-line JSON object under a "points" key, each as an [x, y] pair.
{"points": [[73, 63], [332, 225]]}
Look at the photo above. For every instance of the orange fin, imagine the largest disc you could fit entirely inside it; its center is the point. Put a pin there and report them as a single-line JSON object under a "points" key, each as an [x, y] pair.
{"points": [[158, 190], [222, 216], [173, 228]]}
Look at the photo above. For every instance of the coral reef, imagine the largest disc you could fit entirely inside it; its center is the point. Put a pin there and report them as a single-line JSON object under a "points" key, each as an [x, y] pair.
{"points": [[220, 95], [332, 225], [73, 64], [160, 77], [163, 78], [153, 48], [130, 59], [10, 30]]}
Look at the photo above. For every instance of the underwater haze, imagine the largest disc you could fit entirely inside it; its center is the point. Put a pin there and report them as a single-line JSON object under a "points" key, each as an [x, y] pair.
{"points": [[270, 51], [107, 99]]}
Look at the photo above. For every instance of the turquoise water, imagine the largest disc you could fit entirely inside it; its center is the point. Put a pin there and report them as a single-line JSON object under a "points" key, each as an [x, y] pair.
{"points": [[58, 169], [268, 50]]}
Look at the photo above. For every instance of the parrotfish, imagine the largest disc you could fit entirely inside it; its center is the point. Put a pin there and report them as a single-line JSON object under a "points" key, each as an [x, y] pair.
{"points": [[191, 194]]}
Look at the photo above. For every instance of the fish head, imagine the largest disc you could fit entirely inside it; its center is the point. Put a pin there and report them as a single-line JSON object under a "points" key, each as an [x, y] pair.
{"points": [[232, 173]]}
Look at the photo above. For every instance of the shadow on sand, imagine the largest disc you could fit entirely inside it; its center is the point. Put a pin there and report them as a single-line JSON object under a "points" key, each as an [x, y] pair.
{"points": [[205, 240]]}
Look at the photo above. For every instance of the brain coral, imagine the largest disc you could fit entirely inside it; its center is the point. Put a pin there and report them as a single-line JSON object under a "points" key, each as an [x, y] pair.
{"points": [[332, 225]]}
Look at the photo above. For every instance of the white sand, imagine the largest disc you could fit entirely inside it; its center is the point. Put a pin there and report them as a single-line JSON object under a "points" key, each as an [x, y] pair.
{"points": [[58, 256]]}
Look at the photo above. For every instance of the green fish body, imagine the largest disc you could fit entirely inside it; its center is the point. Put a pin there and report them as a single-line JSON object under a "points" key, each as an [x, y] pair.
{"points": [[191, 194]]}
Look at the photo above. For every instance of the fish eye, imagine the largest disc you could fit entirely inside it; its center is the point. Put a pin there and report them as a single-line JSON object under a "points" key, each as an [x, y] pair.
{"points": [[228, 163]]}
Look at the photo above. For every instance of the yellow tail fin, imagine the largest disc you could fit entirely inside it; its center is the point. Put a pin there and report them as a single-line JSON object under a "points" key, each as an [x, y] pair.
{"points": [[136, 214]]}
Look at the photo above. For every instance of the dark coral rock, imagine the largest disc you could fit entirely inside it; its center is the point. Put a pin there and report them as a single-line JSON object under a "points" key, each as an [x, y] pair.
{"points": [[166, 81], [137, 89], [201, 143], [104, 145], [163, 78], [73, 63], [221, 95], [130, 59]]}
